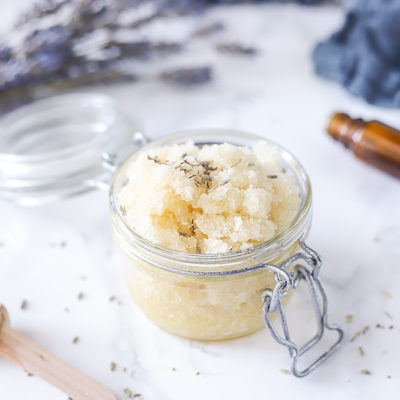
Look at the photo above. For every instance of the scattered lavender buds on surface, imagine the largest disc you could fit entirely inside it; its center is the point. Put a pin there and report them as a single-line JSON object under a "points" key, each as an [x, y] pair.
{"points": [[284, 371], [113, 366], [361, 351], [24, 305], [75, 340], [81, 296], [130, 395], [365, 372], [357, 334], [349, 318]]}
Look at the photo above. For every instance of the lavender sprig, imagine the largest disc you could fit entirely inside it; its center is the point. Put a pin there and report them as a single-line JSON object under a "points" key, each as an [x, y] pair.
{"points": [[235, 49], [187, 76], [58, 56]]}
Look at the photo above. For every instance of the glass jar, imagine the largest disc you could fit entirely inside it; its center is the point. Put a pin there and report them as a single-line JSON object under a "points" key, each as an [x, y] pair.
{"points": [[65, 145], [206, 307]]}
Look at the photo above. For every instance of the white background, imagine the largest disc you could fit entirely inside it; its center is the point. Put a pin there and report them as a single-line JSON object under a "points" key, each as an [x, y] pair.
{"points": [[355, 228]]}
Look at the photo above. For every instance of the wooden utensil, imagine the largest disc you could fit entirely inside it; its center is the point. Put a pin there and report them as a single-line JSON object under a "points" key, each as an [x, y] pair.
{"points": [[38, 361]]}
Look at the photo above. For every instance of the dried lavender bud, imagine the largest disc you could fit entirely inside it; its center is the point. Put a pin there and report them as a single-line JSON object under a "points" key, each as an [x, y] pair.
{"points": [[349, 318], [235, 49], [187, 76], [208, 30], [143, 50], [5, 53], [130, 395], [365, 372], [285, 371]]}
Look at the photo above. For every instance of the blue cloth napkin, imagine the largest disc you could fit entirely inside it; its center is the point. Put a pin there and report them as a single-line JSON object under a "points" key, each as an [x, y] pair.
{"points": [[364, 55]]}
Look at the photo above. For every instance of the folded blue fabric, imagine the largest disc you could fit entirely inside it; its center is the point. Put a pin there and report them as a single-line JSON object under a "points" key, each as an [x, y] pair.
{"points": [[364, 55]]}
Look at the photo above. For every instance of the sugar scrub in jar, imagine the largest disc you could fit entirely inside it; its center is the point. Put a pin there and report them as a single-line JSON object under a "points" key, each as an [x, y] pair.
{"points": [[207, 202]]}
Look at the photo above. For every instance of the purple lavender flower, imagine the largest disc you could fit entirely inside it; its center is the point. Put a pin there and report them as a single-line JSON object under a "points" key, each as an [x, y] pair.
{"points": [[187, 76], [235, 49], [49, 48], [5, 53]]}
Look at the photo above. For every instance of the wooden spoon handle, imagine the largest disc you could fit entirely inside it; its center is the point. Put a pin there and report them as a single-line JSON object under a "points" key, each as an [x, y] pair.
{"points": [[39, 362]]}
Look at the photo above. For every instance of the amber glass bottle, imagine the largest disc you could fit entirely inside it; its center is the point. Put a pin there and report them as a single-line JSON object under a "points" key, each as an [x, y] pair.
{"points": [[371, 141]]}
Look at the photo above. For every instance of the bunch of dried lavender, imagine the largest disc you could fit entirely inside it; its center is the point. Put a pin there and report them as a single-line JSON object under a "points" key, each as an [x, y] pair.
{"points": [[59, 44]]}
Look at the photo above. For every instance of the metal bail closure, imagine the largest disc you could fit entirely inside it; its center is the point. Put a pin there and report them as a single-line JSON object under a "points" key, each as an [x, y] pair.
{"points": [[271, 300]]}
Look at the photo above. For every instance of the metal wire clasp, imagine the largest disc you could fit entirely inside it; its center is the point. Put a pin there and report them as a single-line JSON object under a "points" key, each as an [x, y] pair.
{"points": [[271, 301]]}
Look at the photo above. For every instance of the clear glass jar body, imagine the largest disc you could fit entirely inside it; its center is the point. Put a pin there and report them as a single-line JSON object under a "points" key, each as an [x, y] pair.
{"points": [[198, 296]]}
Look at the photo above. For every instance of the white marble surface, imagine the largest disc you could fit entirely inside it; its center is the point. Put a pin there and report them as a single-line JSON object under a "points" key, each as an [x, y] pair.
{"points": [[50, 254]]}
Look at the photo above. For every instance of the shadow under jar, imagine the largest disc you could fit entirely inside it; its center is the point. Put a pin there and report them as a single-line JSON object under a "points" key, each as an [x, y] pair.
{"points": [[207, 296]]}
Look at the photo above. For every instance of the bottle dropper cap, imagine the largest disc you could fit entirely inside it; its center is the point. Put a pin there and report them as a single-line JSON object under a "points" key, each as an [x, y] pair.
{"points": [[342, 127]]}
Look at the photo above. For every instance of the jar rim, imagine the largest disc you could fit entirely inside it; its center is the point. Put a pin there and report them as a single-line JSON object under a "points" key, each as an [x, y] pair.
{"points": [[45, 106], [183, 260]]}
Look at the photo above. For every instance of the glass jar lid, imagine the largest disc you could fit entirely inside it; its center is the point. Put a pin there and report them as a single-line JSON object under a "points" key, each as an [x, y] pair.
{"points": [[55, 147]]}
